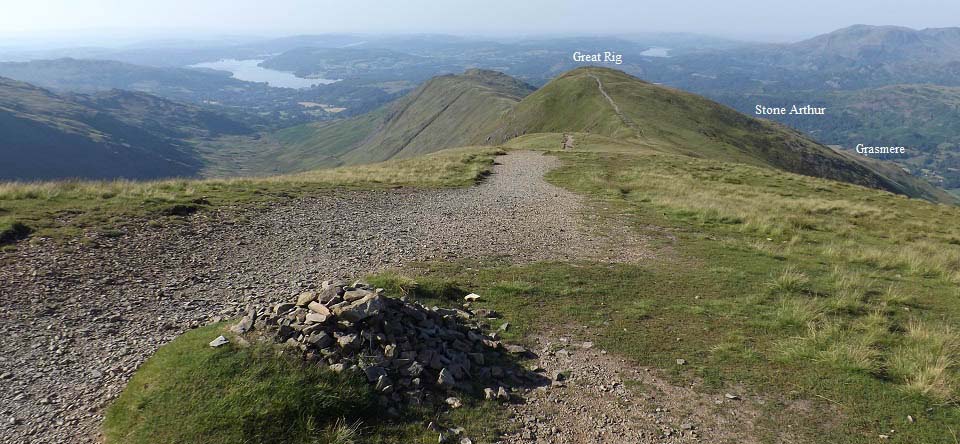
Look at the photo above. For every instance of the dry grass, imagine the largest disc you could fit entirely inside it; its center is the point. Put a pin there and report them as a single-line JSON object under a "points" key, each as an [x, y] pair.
{"points": [[853, 262], [61, 208], [445, 168], [927, 360], [790, 281]]}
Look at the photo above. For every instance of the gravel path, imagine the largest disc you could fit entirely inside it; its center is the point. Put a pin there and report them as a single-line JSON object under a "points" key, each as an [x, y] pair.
{"points": [[598, 402], [77, 320]]}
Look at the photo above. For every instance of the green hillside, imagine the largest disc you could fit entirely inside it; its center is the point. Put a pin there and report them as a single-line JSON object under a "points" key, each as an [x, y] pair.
{"points": [[109, 135], [924, 118], [484, 107], [447, 111], [615, 104]]}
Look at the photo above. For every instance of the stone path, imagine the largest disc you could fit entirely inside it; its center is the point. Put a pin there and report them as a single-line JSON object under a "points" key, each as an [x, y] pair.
{"points": [[77, 320]]}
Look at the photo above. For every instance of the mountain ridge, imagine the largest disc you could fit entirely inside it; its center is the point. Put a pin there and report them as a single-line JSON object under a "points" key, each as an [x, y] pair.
{"points": [[446, 111], [612, 103]]}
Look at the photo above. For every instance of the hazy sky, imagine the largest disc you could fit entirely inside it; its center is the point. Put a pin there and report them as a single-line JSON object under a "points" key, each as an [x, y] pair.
{"points": [[748, 19]]}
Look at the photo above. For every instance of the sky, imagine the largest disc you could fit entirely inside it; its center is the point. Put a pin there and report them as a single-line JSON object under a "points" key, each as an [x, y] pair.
{"points": [[770, 20]]}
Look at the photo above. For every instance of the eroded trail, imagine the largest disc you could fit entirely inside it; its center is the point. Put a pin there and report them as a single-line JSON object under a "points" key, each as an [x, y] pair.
{"points": [[77, 320], [616, 108]]}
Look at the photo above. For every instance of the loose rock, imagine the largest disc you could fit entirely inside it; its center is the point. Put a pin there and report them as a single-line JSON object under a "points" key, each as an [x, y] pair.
{"points": [[403, 348]]}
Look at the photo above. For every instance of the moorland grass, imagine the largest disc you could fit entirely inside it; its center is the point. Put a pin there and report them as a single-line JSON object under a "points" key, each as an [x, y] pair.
{"points": [[189, 392], [66, 208], [192, 393]]}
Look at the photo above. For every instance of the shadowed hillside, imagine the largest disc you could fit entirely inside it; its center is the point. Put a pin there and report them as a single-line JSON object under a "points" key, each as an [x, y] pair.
{"points": [[115, 134]]}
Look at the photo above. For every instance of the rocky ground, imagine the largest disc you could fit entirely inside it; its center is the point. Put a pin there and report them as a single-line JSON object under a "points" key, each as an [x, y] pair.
{"points": [[600, 398], [77, 320]]}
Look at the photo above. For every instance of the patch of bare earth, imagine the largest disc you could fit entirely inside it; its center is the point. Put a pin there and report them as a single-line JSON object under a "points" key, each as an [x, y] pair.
{"points": [[597, 397]]}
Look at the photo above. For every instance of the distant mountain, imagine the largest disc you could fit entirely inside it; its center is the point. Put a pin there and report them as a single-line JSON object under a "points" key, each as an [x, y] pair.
{"points": [[483, 107], [879, 45], [856, 57], [342, 63], [110, 135]]}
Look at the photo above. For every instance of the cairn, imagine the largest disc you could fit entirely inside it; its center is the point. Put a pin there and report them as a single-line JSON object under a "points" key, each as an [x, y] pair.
{"points": [[408, 351]]}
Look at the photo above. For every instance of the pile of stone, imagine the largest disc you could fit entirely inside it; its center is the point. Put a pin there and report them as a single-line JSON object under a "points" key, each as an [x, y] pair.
{"points": [[409, 352]]}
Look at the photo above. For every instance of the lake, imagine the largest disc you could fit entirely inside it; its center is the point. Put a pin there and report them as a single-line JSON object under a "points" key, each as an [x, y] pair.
{"points": [[656, 52], [250, 71]]}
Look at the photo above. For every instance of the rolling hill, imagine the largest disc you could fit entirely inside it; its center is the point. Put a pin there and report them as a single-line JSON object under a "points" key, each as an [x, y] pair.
{"points": [[115, 134], [447, 111], [482, 107], [612, 103], [256, 103]]}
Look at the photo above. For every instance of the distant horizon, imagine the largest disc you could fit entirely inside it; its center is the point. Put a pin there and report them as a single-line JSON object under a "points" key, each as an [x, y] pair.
{"points": [[124, 38], [99, 22]]}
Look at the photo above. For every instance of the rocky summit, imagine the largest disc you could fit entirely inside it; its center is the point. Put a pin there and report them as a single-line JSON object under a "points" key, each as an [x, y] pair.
{"points": [[409, 352]]}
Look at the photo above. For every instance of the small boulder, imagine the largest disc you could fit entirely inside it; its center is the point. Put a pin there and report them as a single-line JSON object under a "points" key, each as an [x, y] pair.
{"points": [[320, 339], [282, 309], [245, 325], [360, 309], [306, 298], [219, 342], [356, 295], [319, 308], [316, 318], [446, 379], [349, 341]]}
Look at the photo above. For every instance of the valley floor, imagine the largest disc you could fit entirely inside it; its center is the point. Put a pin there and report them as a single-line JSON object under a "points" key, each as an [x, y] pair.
{"points": [[78, 320]]}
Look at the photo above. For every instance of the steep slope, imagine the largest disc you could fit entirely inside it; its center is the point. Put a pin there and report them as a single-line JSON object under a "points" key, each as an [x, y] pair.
{"points": [[447, 111], [105, 136], [614, 104]]}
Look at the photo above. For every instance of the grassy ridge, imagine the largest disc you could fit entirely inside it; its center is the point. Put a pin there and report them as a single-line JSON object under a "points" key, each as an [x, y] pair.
{"points": [[672, 121], [69, 207], [445, 112]]}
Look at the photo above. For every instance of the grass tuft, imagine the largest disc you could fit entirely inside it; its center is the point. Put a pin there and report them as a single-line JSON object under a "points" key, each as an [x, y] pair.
{"points": [[927, 361], [789, 282]]}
